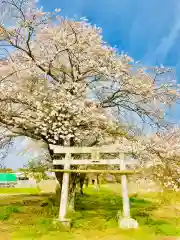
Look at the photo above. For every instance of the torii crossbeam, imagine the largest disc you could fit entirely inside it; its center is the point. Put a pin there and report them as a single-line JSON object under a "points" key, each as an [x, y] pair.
{"points": [[126, 221]]}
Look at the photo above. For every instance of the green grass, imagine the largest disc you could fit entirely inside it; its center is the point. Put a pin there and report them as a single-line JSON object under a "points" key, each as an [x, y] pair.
{"points": [[7, 211], [33, 217], [19, 190]]}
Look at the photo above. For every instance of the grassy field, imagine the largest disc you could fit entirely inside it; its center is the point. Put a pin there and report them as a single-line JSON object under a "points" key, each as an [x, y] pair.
{"points": [[33, 217]]}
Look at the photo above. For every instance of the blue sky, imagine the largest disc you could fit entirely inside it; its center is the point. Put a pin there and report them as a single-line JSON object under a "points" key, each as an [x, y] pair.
{"points": [[148, 30]]}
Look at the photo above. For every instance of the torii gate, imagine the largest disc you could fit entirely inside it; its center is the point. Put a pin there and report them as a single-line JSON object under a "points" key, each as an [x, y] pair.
{"points": [[126, 221]]}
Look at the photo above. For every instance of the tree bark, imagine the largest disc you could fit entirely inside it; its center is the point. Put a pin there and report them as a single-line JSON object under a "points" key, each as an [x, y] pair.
{"points": [[97, 183], [82, 177], [59, 175], [74, 180], [72, 191]]}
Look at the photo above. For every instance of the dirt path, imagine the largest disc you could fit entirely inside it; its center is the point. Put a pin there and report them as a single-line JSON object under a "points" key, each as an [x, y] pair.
{"points": [[5, 195]]}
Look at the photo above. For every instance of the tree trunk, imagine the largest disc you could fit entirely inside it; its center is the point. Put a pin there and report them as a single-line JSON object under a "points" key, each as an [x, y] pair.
{"points": [[82, 177], [86, 180], [97, 186], [72, 184], [71, 201], [59, 175], [72, 191]]}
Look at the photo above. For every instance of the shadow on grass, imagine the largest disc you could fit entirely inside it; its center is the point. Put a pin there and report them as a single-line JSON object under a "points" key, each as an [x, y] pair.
{"points": [[99, 209], [94, 211], [23, 199]]}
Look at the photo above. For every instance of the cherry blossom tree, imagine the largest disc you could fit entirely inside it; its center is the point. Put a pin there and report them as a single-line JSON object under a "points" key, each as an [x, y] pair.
{"points": [[73, 54], [164, 150], [158, 157], [51, 68]]}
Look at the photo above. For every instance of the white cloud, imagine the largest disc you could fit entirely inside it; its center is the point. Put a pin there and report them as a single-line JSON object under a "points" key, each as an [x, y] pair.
{"points": [[168, 41]]}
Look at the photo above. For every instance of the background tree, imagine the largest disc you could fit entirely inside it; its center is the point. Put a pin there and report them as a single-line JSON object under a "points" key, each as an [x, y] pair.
{"points": [[164, 149], [36, 169]]}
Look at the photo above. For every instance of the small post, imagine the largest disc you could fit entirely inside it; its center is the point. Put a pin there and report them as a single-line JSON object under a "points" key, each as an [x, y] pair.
{"points": [[126, 204], [95, 157], [64, 193], [126, 222]]}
